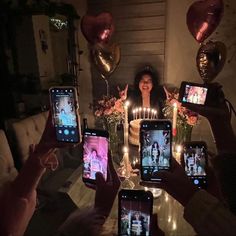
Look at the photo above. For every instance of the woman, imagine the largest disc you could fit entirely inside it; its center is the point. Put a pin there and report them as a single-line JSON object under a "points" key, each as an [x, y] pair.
{"points": [[155, 152], [147, 92]]}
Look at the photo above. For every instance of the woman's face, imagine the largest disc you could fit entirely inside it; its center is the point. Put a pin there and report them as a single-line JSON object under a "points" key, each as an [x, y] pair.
{"points": [[145, 84]]}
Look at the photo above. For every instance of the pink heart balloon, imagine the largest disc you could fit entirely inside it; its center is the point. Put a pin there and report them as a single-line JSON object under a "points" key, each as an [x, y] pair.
{"points": [[97, 29], [203, 17]]}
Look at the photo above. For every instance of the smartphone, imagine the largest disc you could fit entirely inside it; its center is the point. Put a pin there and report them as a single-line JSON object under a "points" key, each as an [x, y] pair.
{"points": [[135, 212], [194, 161], [64, 108], [155, 148], [194, 93], [95, 154]]}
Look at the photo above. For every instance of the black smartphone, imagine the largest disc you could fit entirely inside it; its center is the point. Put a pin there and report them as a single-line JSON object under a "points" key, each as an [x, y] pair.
{"points": [[155, 148], [194, 161], [64, 108], [193, 93], [95, 154], [135, 212]]}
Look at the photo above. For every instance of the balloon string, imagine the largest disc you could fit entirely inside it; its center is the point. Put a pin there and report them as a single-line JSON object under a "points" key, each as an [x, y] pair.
{"points": [[107, 84]]}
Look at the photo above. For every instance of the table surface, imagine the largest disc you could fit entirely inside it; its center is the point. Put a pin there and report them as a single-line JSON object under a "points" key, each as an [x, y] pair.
{"points": [[170, 212]]}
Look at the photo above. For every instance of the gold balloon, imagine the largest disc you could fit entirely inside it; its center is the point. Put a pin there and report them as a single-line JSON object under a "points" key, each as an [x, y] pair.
{"points": [[210, 60], [106, 58]]}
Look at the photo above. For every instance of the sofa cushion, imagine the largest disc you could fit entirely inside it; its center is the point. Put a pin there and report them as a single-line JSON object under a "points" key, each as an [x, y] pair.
{"points": [[29, 131], [8, 171]]}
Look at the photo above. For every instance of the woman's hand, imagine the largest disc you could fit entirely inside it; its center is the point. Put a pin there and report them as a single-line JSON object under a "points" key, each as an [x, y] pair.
{"points": [[123, 93]]}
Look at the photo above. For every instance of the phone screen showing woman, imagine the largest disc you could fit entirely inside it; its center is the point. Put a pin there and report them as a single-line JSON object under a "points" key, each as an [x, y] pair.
{"points": [[155, 149], [95, 154]]}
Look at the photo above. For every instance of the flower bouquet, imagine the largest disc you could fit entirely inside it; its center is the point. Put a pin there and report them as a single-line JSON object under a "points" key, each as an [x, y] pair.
{"points": [[186, 118], [109, 112]]}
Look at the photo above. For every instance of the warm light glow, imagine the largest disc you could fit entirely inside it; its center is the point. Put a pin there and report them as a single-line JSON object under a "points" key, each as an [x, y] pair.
{"points": [[144, 108], [125, 149], [169, 219], [178, 148], [175, 105], [133, 111], [145, 188], [126, 103], [174, 226], [148, 109], [140, 109]]}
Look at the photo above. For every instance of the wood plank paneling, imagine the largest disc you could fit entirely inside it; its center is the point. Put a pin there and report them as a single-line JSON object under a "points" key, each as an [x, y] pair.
{"points": [[142, 49], [150, 23], [140, 32], [144, 36]]}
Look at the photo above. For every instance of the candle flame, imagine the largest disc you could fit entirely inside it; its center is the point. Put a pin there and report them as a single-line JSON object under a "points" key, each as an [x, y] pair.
{"points": [[140, 109], [125, 149], [175, 105], [127, 103], [178, 148]]}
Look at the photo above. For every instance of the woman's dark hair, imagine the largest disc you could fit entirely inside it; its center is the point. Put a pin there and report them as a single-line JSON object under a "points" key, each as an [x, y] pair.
{"points": [[157, 95], [156, 144]]}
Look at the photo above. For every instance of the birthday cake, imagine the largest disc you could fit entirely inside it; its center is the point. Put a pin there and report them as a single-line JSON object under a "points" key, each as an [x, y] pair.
{"points": [[134, 131]]}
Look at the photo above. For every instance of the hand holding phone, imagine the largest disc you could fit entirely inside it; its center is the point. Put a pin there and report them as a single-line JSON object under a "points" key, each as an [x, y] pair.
{"points": [[65, 117], [95, 154], [155, 148], [135, 212]]}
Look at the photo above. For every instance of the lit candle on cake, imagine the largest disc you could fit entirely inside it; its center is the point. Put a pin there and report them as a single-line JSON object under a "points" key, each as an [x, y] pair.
{"points": [[136, 114], [174, 122], [155, 114], [144, 109], [140, 110], [152, 116], [126, 124], [133, 114], [148, 110]]}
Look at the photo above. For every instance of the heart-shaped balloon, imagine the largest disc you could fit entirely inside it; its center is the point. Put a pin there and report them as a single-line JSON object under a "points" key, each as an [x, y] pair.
{"points": [[106, 58], [210, 59], [98, 29], [203, 17]]}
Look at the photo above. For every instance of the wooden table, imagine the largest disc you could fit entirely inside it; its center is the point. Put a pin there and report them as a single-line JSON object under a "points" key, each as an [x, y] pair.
{"points": [[170, 212]]}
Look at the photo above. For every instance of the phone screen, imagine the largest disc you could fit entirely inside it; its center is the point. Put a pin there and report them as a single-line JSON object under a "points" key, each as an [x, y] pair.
{"points": [[155, 149], [194, 94], [135, 211], [63, 103], [95, 154], [194, 159]]}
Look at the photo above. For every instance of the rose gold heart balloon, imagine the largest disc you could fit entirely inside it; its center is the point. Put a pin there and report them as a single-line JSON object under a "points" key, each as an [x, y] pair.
{"points": [[210, 60], [203, 17], [98, 29], [106, 58]]}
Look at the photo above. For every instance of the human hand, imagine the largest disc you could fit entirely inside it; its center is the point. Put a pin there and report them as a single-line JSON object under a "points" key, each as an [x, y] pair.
{"points": [[219, 110], [155, 230], [106, 191], [48, 142], [123, 93], [175, 182]]}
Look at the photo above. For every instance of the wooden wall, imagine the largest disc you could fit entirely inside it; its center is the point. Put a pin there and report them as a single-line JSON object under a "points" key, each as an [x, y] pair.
{"points": [[140, 33]]}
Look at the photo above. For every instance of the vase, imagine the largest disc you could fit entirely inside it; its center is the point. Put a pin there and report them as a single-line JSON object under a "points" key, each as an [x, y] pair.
{"points": [[111, 127], [184, 133]]}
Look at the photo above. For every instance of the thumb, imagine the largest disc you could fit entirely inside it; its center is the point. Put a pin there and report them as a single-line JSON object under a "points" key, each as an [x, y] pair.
{"points": [[99, 179]]}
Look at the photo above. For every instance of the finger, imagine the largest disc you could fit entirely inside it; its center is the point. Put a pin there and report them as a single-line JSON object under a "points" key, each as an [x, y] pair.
{"points": [[112, 170], [99, 179]]}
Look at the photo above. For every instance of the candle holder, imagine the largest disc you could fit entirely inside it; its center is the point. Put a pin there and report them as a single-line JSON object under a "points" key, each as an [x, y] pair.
{"points": [[125, 171]]}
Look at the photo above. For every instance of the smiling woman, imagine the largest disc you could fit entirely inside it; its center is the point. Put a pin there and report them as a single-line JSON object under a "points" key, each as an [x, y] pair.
{"points": [[147, 93]]}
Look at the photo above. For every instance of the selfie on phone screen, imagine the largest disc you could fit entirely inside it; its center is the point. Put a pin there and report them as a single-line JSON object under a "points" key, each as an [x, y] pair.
{"points": [[135, 212], [95, 155], [194, 94], [63, 102], [155, 148]]}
